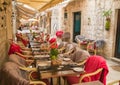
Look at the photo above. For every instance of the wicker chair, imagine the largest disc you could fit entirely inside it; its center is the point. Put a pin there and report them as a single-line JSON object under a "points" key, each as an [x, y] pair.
{"points": [[96, 46], [62, 46], [69, 49], [11, 73], [95, 69], [66, 37], [79, 56]]}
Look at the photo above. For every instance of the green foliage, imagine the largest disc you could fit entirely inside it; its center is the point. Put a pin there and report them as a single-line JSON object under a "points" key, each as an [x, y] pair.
{"points": [[107, 13], [107, 25], [53, 53]]}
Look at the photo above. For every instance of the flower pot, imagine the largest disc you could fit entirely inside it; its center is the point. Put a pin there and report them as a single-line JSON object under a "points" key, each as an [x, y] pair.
{"points": [[55, 62]]}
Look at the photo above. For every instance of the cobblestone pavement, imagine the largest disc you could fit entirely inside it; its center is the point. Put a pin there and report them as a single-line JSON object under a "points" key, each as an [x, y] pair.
{"points": [[114, 74]]}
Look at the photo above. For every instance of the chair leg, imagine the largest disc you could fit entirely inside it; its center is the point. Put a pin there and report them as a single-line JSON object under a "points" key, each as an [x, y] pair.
{"points": [[95, 51], [59, 81], [65, 82]]}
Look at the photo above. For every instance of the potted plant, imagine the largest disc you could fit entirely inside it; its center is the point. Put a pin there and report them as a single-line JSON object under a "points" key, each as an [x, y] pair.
{"points": [[54, 52], [107, 14]]}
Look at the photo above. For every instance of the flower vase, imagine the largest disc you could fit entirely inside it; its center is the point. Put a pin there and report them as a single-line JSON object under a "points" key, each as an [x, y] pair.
{"points": [[55, 61]]}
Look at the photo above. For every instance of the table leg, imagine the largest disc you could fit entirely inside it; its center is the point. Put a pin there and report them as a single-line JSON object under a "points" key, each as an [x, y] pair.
{"points": [[59, 80], [51, 81]]}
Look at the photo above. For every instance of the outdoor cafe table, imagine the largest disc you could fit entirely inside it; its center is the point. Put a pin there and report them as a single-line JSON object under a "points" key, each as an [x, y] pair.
{"points": [[56, 71]]}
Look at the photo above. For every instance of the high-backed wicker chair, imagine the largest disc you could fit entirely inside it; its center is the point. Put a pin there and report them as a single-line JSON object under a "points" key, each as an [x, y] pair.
{"points": [[69, 49], [96, 46], [66, 37], [62, 46], [79, 39], [12, 75], [79, 56], [23, 39], [95, 69], [18, 60]]}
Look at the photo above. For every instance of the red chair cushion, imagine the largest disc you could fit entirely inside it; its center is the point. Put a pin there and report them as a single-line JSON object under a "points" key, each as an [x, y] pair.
{"points": [[72, 79], [14, 48]]}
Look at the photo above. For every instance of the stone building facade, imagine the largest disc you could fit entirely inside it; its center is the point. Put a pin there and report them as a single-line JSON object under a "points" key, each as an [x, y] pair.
{"points": [[93, 21], [5, 29]]}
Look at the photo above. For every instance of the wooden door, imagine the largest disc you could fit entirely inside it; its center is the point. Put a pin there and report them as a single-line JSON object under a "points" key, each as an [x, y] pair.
{"points": [[76, 24], [117, 47]]}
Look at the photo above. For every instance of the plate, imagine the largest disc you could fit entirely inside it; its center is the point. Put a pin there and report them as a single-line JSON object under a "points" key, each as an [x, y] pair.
{"points": [[78, 69], [66, 59]]}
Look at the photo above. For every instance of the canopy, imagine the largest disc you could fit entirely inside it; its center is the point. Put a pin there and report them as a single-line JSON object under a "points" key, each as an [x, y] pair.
{"points": [[28, 8], [40, 4]]}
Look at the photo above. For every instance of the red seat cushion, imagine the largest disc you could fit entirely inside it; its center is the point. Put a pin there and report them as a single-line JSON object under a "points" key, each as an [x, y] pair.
{"points": [[14, 48], [72, 79]]}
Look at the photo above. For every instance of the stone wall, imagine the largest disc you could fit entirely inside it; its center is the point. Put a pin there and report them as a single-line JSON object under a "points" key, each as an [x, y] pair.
{"points": [[93, 21], [5, 32]]}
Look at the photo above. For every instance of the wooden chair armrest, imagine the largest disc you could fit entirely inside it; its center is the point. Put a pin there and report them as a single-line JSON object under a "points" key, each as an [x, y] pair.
{"points": [[29, 62], [37, 82], [67, 53], [79, 42], [82, 63], [21, 55], [30, 77], [28, 69], [90, 74], [61, 49], [114, 82]]}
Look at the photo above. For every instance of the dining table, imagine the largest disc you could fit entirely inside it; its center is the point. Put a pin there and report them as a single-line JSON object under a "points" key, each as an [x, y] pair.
{"points": [[66, 68], [48, 71]]}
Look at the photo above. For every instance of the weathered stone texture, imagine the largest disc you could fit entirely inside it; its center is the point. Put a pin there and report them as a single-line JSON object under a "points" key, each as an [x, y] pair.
{"points": [[93, 21], [5, 32]]}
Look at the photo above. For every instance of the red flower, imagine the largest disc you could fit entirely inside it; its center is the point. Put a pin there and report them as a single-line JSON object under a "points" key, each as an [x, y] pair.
{"points": [[52, 40], [59, 34], [53, 46], [53, 43]]}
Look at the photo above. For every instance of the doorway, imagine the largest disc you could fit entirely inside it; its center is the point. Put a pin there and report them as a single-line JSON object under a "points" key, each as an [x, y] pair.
{"points": [[76, 24], [117, 47]]}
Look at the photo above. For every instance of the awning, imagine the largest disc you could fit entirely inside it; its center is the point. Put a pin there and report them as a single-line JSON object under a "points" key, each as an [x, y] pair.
{"points": [[50, 4], [40, 4], [34, 6]]}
